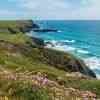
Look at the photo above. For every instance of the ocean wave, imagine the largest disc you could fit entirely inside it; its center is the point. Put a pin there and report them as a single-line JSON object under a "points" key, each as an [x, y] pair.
{"points": [[93, 62], [69, 41], [62, 48], [58, 42], [55, 41], [83, 51], [61, 45], [65, 45], [98, 76]]}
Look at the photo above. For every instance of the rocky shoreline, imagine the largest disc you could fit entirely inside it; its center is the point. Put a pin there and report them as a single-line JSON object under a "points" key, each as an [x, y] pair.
{"points": [[59, 59]]}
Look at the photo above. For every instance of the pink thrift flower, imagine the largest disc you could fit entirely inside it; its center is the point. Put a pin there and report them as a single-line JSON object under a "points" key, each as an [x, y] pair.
{"points": [[45, 81]]}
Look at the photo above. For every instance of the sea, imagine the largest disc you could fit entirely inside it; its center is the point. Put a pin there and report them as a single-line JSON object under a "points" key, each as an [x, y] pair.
{"points": [[78, 37]]}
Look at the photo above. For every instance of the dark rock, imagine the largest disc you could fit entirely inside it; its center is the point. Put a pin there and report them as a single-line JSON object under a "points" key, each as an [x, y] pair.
{"points": [[11, 30], [65, 61], [37, 42], [45, 30]]}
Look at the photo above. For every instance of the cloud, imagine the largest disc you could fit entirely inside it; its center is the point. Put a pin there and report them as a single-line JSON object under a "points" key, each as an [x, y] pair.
{"points": [[90, 11], [54, 9]]}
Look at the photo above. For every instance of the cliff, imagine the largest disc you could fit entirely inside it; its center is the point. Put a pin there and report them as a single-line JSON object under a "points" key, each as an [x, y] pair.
{"points": [[22, 57], [64, 61], [20, 62], [56, 59], [17, 26]]}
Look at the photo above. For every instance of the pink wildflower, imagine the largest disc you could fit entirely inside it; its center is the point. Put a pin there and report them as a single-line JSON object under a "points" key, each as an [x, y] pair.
{"points": [[45, 81]]}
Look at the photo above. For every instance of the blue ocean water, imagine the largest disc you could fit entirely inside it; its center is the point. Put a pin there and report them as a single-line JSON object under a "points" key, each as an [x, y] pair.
{"points": [[81, 38]]}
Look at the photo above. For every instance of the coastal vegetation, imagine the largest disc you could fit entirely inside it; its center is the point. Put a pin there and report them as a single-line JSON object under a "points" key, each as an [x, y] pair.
{"points": [[22, 61], [17, 26]]}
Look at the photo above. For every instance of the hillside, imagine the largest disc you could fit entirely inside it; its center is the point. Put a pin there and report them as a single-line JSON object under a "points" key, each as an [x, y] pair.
{"points": [[20, 60]]}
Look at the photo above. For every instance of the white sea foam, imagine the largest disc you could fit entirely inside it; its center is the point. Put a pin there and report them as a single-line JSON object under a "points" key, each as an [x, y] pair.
{"points": [[59, 45], [62, 48], [94, 64], [59, 31], [60, 41], [82, 51], [70, 41], [65, 48], [98, 76]]}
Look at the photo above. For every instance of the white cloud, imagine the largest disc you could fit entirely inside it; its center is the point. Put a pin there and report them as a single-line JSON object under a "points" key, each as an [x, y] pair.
{"points": [[91, 11], [56, 9]]}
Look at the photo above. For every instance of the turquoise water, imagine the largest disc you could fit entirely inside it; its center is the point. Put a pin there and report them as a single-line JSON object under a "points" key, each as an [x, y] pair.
{"points": [[81, 38]]}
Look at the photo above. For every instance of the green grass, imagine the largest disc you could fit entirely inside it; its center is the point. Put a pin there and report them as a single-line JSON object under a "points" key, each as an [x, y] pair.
{"points": [[90, 85], [19, 38], [17, 60], [11, 26], [14, 23], [22, 59], [21, 90]]}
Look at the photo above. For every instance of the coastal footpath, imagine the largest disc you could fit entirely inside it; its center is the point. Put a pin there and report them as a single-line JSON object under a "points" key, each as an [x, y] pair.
{"points": [[22, 58]]}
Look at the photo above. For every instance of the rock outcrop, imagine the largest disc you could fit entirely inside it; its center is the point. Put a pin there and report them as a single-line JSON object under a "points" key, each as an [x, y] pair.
{"points": [[45, 30], [65, 62]]}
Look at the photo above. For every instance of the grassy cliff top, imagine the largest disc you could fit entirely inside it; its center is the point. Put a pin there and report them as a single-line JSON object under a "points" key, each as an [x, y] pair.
{"points": [[14, 23], [16, 26]]}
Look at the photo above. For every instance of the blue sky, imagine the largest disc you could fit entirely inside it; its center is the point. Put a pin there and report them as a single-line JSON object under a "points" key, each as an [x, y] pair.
{"points": [[50, 9]]}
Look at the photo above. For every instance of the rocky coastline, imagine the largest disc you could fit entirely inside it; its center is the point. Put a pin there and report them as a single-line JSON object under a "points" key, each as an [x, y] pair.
{"points": [[22, 57]]}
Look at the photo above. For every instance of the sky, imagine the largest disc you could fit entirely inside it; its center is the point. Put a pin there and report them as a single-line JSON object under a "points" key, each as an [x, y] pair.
{"points": [[50, 9]]}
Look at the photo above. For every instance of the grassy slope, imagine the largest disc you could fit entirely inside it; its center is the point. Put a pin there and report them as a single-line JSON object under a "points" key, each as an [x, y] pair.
{"points": [[19, 59], [13, 60]]}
